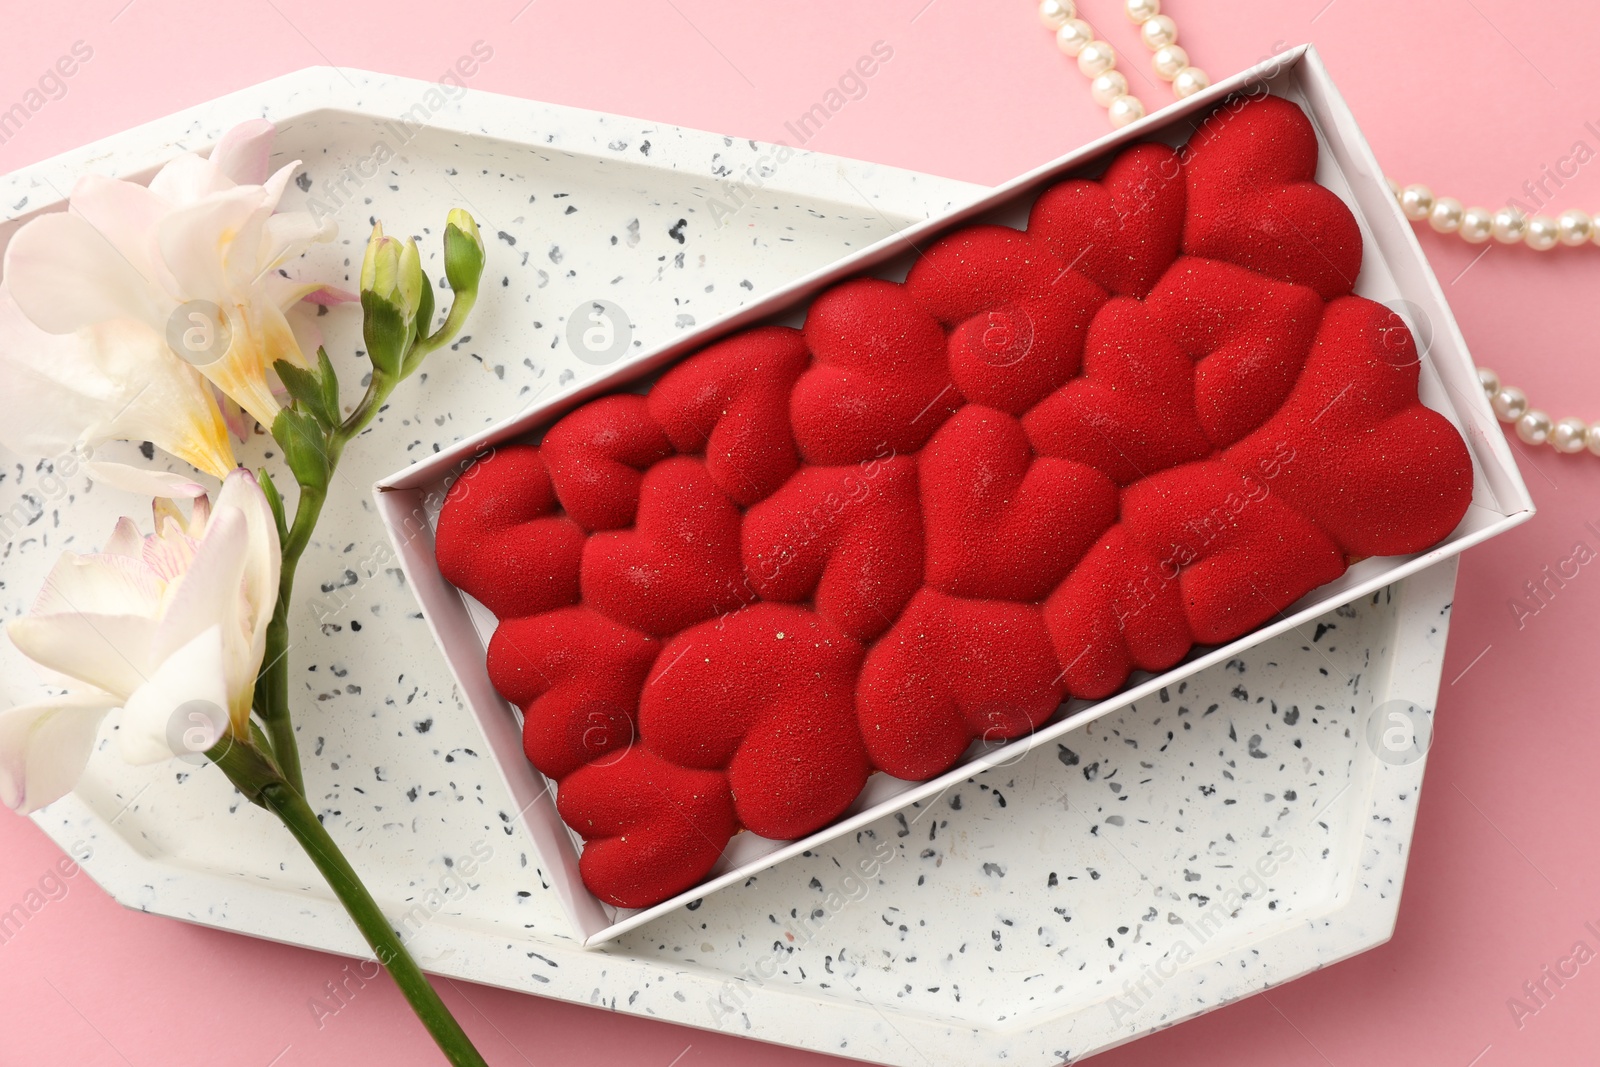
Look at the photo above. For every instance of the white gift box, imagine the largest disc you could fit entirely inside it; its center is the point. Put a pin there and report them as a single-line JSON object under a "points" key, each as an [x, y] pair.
{"points": [[1394, 272]]}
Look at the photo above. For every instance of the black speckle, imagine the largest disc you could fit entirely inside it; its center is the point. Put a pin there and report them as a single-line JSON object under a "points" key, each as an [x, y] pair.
{"points": [[1052, 881], [694, 905], [994, 869], [1254, 747], [676, 232], [1067, 757], [303, 180], [423, 727], [507, 238], [1291, 716], [147, 450], [644, 148], [1322, 628], [355, 625]]}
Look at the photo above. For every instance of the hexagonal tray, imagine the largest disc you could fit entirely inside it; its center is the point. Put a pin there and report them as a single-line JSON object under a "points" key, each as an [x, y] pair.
{"points": [[1230, 834]]}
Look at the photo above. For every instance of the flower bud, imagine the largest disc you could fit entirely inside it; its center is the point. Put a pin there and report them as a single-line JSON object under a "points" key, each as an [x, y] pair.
{"points": [[463, 251], [409, 283], [392, 286], [392, 270], [369, 262]]}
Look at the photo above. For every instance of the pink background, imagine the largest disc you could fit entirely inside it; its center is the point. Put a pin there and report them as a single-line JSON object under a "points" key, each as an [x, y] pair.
{"points": [[1472, 96]]}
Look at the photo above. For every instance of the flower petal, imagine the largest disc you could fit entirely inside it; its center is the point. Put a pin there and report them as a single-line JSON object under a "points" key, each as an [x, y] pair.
{"points": [[125, 214], [263, 560], [169, 403], [142, 481], [289, 233], [188, 178], [182, 709], [125, 539], [195, 240], [100, 584], [330, 295], [64, 274], [54, 390], [110, 652], [242, 154], [303, 324], [115, 381], [45, 746], [211, 594]]}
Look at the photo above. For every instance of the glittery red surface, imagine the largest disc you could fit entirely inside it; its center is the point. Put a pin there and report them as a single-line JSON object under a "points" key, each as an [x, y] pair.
{"points": [[1154, 419]]}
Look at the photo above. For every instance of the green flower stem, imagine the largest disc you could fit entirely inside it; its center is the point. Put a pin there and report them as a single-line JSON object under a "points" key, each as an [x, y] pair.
{"points": [[259, 778], [272, 685], [460, 307]]}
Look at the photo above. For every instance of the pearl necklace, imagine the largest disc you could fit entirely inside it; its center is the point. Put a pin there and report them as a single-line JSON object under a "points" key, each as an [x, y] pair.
{"points": [[1097, 60]]}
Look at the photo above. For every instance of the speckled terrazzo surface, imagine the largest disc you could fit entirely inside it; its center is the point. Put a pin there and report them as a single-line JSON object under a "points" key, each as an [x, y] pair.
{"points": [[1031, 915]]}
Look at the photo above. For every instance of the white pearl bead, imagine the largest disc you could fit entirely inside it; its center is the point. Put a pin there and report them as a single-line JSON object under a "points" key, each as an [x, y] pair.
{"points": [[1096, 58], [1416, 201], [1543, 233], [1190, 80], [1169, 61], [1073, 35], [1594, 439], [1477, 225], [1509, 404], [1125, 109], [1159, 32], [1510, 225], [1576, 227], [1489, 380], [1446, 214], [1055, 12], [1109, 86], [1569, 436], [1140, 10], [1534, 427]]}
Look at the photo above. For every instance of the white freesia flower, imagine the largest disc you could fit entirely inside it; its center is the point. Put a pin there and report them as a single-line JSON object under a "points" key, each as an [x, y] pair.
{"points": [[90, 296], [170, 627]]}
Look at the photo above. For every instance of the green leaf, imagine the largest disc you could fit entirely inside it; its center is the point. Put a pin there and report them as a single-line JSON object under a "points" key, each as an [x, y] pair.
{"points": [[388, 334], [275, 502], [307, 390], [305, 447], [330, 386], [425, 308]]}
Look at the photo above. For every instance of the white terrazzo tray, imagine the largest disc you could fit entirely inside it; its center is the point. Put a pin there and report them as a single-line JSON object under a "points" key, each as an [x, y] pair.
{"points": [[1030, 916]]}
